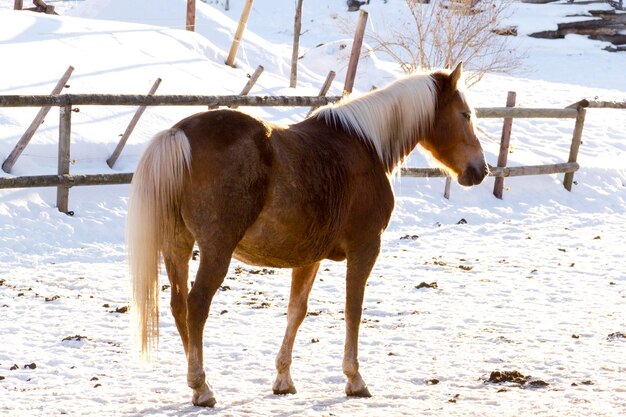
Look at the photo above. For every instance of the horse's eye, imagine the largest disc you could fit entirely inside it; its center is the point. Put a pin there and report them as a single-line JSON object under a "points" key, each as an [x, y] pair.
{"points": [[467, 115]]}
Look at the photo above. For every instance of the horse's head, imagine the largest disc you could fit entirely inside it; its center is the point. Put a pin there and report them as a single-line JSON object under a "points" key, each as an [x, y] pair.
{"points": [[452, 139]]}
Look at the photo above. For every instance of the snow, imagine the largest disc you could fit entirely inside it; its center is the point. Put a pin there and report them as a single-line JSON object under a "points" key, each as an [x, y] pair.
{"points": [[535, 282]]}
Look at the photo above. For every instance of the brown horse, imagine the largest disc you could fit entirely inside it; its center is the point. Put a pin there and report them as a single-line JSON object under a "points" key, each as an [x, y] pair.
{"points": [[285, 197]]}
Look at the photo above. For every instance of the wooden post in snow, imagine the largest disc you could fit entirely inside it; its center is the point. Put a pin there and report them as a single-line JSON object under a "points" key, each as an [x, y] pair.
{"points": [[42, 7], [63, 167], [131, 126], [243, 21], [446, 190], [27, 136], [325, 87], [18, 4], [576, 141], [297, 27], [356, 52], [505, 140], [190, 23]]}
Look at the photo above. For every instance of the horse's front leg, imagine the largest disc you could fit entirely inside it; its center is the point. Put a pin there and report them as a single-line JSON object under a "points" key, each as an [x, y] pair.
{"points": [[210, 276], [301, 282], [360, 264]]}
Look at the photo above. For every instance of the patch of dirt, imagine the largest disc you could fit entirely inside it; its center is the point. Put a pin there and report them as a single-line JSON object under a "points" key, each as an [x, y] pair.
{"points": [[454, 398], [76, 338], [616, 335], [538, 383], [264, 304], [432, 285], [263, 271], [409, 237], [515, 377], [121, 310]]}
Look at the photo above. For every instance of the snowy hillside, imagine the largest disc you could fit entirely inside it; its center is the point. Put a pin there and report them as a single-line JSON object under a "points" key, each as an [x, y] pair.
{"points": [[535, 282]]}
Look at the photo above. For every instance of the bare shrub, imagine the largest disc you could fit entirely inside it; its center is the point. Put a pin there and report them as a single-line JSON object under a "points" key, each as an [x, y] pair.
{"points": [[442, 33]]}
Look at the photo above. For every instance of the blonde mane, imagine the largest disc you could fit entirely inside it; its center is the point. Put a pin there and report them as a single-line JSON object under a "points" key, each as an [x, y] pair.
{"points": [[391, 120]]}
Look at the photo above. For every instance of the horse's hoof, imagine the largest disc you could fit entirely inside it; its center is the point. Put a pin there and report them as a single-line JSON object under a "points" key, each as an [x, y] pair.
{"points": [[284, 386], [361, 393], [289, 390], [204, 397], [198, 401]]}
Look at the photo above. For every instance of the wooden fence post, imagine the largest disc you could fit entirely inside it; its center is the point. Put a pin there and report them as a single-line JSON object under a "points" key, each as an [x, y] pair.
{"points": [[253, 78], [190, 23], [505, 140], [446, 190], [325, 87], [42, 7], [297, 27], [131, 126], [63, 168], [576, 140], [243, 20], [27, 136], [18, 4], [356, 52]]}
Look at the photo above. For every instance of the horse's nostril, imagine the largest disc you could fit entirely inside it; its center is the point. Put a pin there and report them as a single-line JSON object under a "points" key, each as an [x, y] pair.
{"points": [[474, 174]]}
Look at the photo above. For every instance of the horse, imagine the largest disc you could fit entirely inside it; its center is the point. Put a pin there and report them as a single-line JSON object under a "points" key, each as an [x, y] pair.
{"points": [[284, 197]]}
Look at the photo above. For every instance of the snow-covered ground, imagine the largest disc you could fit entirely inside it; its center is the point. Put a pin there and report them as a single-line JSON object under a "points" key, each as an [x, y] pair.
{"points": [[535, 282]]}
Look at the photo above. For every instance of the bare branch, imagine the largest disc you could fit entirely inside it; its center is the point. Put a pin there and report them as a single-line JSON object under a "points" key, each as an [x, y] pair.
{"points": [[444, 32]]}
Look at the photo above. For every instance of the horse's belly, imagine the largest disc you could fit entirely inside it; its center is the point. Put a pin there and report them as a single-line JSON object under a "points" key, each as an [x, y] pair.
{"points": [[276, 244]]}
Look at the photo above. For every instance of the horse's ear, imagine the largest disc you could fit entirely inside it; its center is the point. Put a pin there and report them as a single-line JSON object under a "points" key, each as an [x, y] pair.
{"points": [[455, 75]]}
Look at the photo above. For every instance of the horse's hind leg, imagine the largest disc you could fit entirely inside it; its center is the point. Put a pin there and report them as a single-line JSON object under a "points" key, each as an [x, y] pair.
{"points": [[213, 267], [301, 283], [176, 255], [360, 264]]}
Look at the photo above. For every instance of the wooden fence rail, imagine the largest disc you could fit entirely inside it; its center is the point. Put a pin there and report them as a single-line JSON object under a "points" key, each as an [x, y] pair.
{"points": [[63, 180], [66, 180], [163, 100]]}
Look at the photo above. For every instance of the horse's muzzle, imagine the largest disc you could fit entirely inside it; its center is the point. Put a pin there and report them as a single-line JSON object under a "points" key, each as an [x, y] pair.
{"points": [[474, 174]]}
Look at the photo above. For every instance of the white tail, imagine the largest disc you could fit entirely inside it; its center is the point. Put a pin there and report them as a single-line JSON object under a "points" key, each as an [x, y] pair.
{"points": [[153, 209]]}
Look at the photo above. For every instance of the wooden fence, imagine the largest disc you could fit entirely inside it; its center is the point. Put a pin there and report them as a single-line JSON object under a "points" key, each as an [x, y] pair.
{"points": [[64, 180]]}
